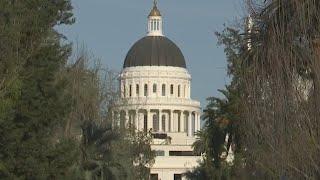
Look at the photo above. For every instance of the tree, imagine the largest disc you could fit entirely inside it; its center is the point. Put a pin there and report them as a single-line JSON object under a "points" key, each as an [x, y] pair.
{"points": [[33, 102], [97, 155], [218, 137], [143, 155], [281, 95], [106, 153]]}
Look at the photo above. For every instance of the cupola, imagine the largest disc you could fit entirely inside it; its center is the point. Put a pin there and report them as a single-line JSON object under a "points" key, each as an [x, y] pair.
{"points": [[155, 49], [155, 21]]}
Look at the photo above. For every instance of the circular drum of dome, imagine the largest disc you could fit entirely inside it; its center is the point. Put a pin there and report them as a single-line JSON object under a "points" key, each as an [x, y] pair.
{"points": [[154, 51]]}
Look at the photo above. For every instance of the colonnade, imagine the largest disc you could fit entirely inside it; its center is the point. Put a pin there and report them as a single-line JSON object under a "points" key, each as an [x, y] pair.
{"points": [[159, 120]]}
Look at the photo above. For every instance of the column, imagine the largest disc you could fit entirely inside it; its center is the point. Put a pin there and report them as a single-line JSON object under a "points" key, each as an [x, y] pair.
{"points": [[189, 90], [134, 84], [182, 121], [150, 94], [178, 121], [171, 121], [160, 121], [196, 126], [199, 121], [190, 124]]}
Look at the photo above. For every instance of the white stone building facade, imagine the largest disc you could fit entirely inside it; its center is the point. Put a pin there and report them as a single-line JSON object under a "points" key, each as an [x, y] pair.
{"points": [[156, 96]]}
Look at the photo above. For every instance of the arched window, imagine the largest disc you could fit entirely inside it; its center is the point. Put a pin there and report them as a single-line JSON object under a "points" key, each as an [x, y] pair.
{"points": [[154, 88], [171, 89], [163, 90], [146, 90], [179, 91], [155, 123], [130, 90], [137, 89], [164, 123]]}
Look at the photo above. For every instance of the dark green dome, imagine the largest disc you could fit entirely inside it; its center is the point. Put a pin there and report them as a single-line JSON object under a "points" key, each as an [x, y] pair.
{"points": [[154, 51]]}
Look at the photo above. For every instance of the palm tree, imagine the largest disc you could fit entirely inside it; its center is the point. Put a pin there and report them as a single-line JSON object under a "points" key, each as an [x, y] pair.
{"points": [[97, 156], [219, 133]]}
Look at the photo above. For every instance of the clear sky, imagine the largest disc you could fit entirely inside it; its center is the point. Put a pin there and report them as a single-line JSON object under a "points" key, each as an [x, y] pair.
{"points": [[109, 28]]}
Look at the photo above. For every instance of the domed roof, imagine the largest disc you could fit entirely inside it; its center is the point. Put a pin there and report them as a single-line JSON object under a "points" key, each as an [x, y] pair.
{"points": [[155, 12], [154, 51]]}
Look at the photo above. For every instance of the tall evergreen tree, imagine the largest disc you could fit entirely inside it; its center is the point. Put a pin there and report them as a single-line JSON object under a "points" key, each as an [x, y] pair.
{"points": [[34, 102]]}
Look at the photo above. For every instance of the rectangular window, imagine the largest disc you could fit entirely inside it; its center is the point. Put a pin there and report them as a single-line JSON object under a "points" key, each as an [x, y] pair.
{"points": [[130, 91], [137, 89], [160, 135], [171, 89], [159, 153], [179, 91], [177, 177], [181, 153], [154, 177]]}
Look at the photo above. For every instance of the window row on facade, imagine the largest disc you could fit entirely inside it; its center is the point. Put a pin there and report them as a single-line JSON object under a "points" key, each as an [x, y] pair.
{"points": [[174, 90], [159, 121], [156, 176]]}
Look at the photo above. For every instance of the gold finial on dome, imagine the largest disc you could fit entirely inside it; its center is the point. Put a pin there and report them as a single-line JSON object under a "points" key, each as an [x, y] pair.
{"points": [[155, 11]]}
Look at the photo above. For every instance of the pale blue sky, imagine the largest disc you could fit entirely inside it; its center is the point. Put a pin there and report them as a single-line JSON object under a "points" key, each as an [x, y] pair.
{"points": [[109, 28]]}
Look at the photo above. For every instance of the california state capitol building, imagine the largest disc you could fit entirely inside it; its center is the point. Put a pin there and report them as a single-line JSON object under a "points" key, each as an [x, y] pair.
{"points": [[155, 88]]}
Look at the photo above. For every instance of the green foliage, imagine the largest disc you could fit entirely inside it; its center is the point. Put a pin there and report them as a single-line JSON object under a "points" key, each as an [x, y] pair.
{"points": [[54, 116], [218, 136], [143, 156], [133, 152], [97, 154], [33, 103], [221, 131]]}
